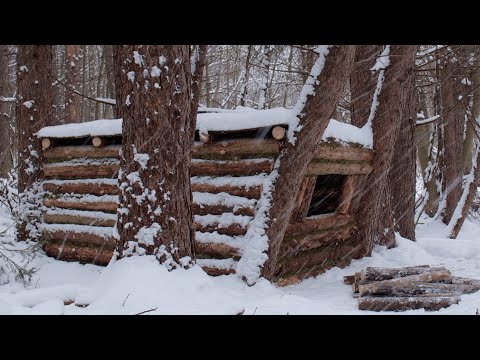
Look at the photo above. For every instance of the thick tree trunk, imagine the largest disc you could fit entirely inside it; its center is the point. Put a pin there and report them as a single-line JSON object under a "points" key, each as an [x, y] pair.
{"points": [[294, 159], [363, 82], [72, 79], [402, 175], [154, 94], [5, 91], [453, 119], [376, 214], [34, 110]]}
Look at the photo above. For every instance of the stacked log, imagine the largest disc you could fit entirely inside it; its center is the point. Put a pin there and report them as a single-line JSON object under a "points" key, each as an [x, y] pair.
{"points": [[81, 197], [409, 288]]}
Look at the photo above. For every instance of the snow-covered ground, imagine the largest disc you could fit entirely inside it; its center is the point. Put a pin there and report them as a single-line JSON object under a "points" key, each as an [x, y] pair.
{"points": [[138, 284]]}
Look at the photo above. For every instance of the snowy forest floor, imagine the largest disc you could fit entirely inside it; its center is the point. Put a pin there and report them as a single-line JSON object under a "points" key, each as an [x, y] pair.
{"points": [[137, 284]]}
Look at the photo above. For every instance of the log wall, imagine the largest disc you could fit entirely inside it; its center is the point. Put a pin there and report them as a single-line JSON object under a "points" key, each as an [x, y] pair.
{"points": [[81, 200]]}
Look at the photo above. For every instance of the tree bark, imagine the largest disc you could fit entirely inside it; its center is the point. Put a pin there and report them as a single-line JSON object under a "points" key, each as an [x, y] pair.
{"points": [[363, 82], [5, 91], [34, 109], [403, 171], [376, 220], [296, 158], [154, 94], [72, 79], [108, 56], [453, 120]]}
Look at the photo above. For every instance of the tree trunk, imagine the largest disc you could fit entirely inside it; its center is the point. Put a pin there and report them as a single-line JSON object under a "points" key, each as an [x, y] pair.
{"points": [[244, 88], [34, 110], [266, 58], [453, 120], [403, 171], [108, 58], [5, 91], [376, 215], [363, 82], [295, 158], [154, 94], [72, 79]]}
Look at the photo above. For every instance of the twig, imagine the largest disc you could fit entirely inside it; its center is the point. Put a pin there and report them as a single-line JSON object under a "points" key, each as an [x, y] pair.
{"points": [[124, 301], [80, 94], [146, 311]]}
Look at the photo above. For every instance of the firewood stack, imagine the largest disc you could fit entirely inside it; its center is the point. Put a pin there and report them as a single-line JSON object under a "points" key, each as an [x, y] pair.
{"points": [[408, 288]]}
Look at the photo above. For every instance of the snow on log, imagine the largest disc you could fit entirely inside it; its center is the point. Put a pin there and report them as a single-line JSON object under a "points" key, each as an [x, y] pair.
{"points": [[107, 206], [216, 250], [380, 274], [389, 288], [65, 218]]}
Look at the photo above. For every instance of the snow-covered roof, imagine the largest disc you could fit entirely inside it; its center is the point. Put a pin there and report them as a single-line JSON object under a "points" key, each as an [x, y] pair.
{"points": [[233, 120]]}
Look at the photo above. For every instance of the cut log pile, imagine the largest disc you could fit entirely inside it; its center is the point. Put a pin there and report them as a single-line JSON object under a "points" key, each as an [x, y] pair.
{"points": [[408, 288], [228, 171]]}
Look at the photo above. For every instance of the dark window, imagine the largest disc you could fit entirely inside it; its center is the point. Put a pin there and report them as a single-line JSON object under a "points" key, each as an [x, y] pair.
{"points": [[326, 196]]}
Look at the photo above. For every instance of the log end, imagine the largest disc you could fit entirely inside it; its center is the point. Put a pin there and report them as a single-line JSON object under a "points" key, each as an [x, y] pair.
{"points": [[278, 132], [97, 141], [46, 143]]}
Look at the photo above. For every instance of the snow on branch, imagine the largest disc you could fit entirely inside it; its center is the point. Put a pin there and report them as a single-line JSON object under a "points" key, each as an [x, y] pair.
{"points": [[7, 99], [427, 121], [308, 89]]}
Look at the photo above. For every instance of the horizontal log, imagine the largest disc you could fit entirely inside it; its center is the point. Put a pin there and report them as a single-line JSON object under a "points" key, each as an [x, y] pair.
{"points": [[380, 274], [233, 168], [74, 205], [327, 152], [213, 271], [327, 168], [252, 192], [321, 258], [83, 151], [349, 279], [317, 223], [82, 188], [79, 220], [357, 279], [465, 281], [371, 288], [315, 240], [216, 250], [389, 288], [84, 255], [241, 148], [221, 209], [372, 303], [78, 239], [81, 171], [232, 230]]}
